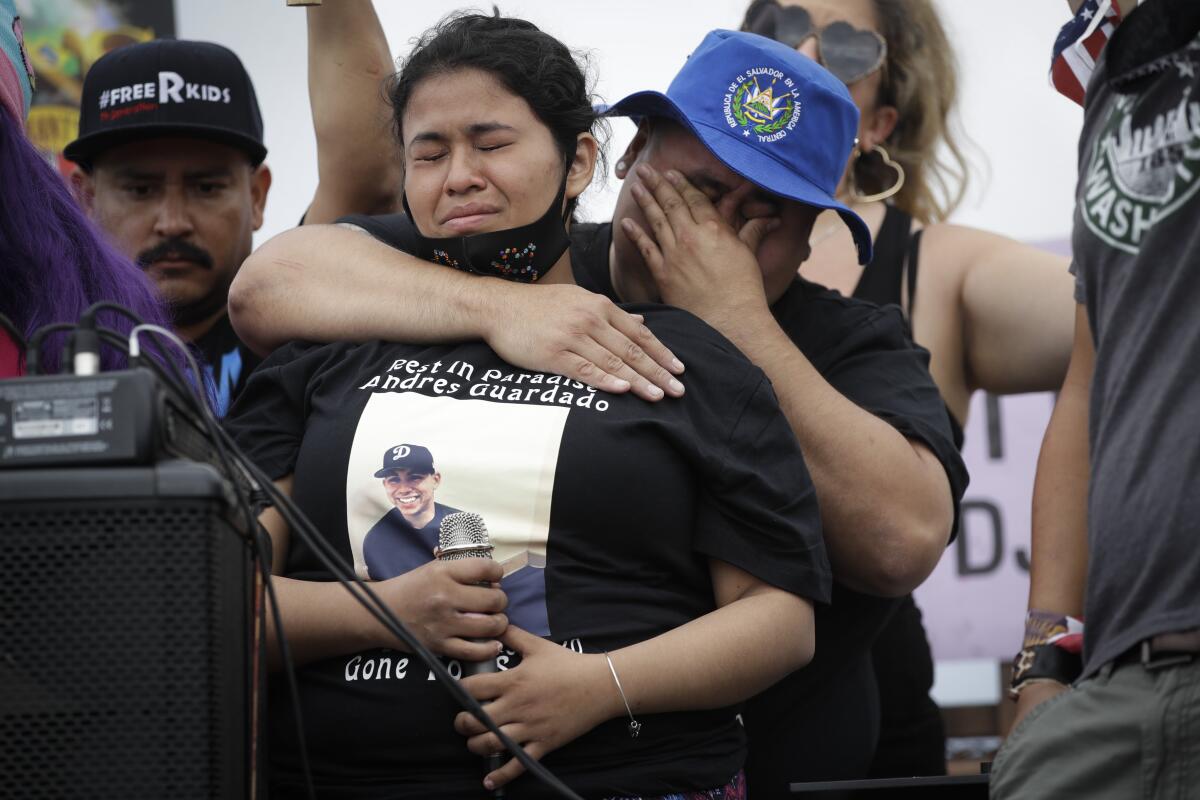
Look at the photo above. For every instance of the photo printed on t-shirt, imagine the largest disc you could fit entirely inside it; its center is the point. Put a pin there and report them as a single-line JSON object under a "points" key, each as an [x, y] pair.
{"points": [[417, 459]]}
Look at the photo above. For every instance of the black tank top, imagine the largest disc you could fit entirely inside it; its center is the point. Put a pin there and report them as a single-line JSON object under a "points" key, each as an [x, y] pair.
{"points": [[882, 282], [886, 279]]}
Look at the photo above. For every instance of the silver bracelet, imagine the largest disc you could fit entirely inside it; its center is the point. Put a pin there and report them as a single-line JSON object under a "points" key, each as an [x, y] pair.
{"points": [[635, 727]]}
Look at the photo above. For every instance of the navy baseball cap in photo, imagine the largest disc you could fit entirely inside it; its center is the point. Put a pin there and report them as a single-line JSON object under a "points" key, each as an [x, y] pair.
{"points": [[168, 87], [776, 117], [412, 457]]}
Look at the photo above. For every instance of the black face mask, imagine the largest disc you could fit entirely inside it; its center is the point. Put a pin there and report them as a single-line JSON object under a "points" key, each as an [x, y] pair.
{"points": [[523, 254]]}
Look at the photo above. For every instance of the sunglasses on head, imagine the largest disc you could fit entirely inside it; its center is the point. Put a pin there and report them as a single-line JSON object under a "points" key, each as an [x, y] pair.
{"points": [[849, 53]]}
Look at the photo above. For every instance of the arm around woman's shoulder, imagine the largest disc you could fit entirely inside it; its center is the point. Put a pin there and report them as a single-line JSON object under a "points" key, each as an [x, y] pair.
{"points": [[331, 283], [336, 283]]}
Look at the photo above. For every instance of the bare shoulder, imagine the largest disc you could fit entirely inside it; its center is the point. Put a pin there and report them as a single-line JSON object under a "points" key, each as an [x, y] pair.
{"points": [[958, 246], [984, 299], [946, 255], [953, 255], [964, 245]]}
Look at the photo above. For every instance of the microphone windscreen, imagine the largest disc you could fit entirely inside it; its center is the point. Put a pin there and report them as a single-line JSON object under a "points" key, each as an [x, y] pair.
{"points": [[463, 535]]}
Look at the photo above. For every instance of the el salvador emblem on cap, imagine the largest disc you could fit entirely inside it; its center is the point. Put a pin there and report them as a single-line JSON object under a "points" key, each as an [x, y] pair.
{"points": [[762, 102]]}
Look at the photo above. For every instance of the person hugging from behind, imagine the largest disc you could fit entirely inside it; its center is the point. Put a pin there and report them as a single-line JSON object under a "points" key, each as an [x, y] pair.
{"points": [[680, 541], [994, 313]]}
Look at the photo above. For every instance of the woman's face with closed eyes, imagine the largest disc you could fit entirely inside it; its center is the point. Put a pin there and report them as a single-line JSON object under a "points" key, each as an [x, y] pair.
{"points": [[476, 157]]}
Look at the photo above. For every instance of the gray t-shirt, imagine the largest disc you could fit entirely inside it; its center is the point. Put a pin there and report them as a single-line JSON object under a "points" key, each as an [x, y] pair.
{"points": [[1137, 268]]}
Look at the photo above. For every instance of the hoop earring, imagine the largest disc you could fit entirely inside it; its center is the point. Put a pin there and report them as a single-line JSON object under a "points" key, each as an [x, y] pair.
{"points": [[892, 191]]}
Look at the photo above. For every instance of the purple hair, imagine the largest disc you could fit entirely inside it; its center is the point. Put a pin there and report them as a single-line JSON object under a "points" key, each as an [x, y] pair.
{"points": [[56, 262]]}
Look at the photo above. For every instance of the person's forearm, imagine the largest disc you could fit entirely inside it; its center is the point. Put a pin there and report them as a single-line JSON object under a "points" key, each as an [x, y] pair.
{"points": [[1059, 553], [756, 636], [330, 283], [320, 620], [358, 164], [731, 654], [886, 507]]}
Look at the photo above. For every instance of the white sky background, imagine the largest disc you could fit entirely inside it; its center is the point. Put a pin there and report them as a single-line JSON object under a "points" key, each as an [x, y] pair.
{"points": [[1025, 134]]}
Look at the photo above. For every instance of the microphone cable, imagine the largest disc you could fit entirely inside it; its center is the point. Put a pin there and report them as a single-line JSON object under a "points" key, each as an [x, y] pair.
{"points": [[229, 455], [253, 529], [179, 386], [33, 349], [330, 559]]}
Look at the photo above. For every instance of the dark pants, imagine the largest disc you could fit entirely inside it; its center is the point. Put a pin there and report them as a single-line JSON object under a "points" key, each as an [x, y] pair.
{"points": [[912, 737], [798, 734]]}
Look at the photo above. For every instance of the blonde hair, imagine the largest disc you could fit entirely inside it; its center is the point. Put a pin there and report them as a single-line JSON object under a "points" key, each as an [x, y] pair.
{"points": [[920, 80]]}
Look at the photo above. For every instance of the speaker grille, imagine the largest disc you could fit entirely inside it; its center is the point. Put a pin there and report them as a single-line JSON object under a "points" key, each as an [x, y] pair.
{"points": [[122, 650]]}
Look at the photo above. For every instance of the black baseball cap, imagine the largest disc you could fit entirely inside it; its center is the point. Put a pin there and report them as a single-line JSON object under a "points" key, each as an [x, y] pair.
{"points": [[168, 87], [412, 457]]}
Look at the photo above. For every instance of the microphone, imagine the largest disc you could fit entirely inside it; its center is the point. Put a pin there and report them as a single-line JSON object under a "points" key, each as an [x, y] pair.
{"points": [[464, 535]]}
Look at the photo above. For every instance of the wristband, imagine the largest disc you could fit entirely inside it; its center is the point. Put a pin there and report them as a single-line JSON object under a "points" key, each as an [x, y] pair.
{"points": [[1049, 627], [1041, 663]]}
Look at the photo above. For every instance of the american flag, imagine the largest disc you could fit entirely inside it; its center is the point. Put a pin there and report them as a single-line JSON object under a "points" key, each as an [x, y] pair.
{"points": [[1079, 45]]}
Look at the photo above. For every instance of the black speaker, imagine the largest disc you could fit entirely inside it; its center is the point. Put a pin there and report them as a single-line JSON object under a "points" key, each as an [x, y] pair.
{"points": [[127, 654]]}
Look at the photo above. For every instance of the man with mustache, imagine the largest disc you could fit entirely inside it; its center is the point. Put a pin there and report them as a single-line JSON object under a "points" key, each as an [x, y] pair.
{"points": [[171, 153]]}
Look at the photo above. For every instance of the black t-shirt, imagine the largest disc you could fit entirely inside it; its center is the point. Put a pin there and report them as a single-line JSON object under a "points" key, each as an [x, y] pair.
{"points": [[227, 361], [866, 353], [612, 505]]}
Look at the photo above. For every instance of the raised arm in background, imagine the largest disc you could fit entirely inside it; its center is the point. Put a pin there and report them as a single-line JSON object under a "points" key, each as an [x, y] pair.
{"points": [[358, 165]]}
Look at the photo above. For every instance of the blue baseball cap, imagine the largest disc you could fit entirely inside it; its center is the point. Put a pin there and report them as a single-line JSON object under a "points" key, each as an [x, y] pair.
{"points": [[776, 117]]}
